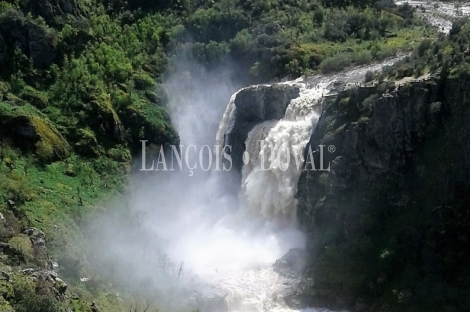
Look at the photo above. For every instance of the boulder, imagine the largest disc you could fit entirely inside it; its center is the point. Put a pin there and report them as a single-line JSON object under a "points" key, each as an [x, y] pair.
{"points": [[60, 286], [291, 264]]}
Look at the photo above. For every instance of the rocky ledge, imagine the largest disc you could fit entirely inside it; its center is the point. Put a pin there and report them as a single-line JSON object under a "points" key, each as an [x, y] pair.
{"points": [[254, 105], [387, 225]]}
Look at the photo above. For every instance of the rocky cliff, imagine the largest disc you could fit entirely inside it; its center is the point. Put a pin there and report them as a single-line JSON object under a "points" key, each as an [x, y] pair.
{"points": [[388, 224], [254, 105]]}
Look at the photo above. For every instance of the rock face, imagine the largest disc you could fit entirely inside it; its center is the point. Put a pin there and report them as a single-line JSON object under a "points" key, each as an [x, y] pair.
{"points": [[33, 131], [253, 106], [211, 300], [33, 40], [291, 264], [48, 279], [53, 12], [386, 225]]}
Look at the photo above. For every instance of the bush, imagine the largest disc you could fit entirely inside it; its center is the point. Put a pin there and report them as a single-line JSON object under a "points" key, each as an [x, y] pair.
{"points": [[456, 26], [26, 298], [363, 57], [334, 32], [369, 76], [336, 63], [425, 45], [34, 303], [318, 16]]}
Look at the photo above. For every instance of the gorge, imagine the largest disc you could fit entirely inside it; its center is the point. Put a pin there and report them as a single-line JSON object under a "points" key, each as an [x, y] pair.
{"points": [[347, 188], [275, 240]]}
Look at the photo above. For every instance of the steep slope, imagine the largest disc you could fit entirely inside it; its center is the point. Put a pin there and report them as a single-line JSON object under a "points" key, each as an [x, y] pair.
{"points": [[80, 86], [388, 224]]}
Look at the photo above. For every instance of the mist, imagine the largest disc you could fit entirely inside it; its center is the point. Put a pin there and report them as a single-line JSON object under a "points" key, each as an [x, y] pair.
{"points": [[180, 238]]}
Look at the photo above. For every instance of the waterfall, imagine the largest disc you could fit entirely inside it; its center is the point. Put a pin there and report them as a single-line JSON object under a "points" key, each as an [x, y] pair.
{"points": [[205, 242], [273, 163], [275, 149], [228, 116]]}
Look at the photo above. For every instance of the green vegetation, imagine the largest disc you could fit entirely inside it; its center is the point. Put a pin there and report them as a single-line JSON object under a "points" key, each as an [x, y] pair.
{"points": [[279, 38], [80, 87], [448, 54], [382, 251]]}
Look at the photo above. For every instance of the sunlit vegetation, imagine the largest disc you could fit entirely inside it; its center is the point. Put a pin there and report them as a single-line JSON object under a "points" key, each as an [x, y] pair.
{"points": [[449, 55], [80, 87]]}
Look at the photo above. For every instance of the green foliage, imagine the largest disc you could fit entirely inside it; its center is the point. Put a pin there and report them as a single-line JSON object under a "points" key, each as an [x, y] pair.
{"points": [[336, 63], [264, 38], [22, 244], [441, 54], [79, 90], [23, 296], [33, 303]]}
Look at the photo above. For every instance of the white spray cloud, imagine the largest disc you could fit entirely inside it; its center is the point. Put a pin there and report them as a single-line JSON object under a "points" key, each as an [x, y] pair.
{"points": [[181, 235]]}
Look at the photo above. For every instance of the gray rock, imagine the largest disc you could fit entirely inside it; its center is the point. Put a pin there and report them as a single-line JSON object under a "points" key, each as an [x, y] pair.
{"points": [[291, 264], [6, 276], [254, 105], [29, 231], [60, 286]]}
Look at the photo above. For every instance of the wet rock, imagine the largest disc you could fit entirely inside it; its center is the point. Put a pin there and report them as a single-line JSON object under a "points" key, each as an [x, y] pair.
{"points": [[386, 157], [6, 276], [52, 265], [38, 238], [208, 299], [28, 271], [29, 231], [253, 106], [11, 204], [50, 278], [291, 264], [6, 249], [94, 307]]}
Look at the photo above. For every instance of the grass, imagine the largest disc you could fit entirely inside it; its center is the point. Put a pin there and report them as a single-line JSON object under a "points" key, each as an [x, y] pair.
{"points": [[54, 197]]}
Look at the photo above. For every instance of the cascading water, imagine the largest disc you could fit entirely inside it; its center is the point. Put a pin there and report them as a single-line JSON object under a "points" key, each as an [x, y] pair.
{"points": [[269, 195], [196, 243], [273, 164], [275, 149]]}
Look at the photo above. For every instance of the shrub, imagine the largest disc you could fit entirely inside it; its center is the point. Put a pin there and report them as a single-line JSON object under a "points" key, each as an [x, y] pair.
{"points": [[336, 63], [363, 57], [369, 76], [318, 16], [33, 303], [143, 81], [423, 47]]}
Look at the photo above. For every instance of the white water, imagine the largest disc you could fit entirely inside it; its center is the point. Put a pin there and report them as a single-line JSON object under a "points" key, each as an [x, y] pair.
{"points": [[271, 193], [269, 180], [439, 14], [268, 196], [224, 246]]}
